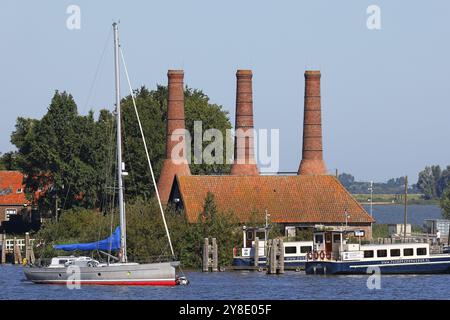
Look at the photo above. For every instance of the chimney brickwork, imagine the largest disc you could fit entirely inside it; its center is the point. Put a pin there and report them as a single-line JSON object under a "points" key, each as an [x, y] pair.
{"points": [[244, 159], [312, 156], [175, 120]]}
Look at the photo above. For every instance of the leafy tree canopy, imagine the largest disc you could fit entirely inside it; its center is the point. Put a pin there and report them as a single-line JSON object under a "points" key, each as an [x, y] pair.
{"points": [[70, 159]]}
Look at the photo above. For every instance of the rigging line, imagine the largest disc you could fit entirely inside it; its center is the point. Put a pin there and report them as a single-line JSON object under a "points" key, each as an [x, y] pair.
{"points": [[91, 89], [146, 152]]}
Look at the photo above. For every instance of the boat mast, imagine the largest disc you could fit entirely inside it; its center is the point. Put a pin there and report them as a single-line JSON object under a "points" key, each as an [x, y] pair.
{"points": [[123, 233]]}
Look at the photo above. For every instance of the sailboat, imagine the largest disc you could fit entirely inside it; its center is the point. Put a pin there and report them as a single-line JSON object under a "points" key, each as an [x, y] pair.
{"points": [[86, 270]]}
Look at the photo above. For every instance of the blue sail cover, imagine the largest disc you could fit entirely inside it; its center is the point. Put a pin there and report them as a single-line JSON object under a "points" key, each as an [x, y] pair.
{"points": [[110, 243]]}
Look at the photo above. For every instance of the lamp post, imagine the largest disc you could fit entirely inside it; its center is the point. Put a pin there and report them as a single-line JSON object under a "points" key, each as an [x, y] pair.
{"points": [[346, 218]]}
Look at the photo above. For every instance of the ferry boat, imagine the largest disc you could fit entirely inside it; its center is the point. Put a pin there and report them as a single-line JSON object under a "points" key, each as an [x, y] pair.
{"points": [[295, 252], [333, 254]]}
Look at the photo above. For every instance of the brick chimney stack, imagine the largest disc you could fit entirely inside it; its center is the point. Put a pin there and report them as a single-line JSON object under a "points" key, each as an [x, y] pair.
{"points": [[312, 159], [175, 120], [244, 160]]}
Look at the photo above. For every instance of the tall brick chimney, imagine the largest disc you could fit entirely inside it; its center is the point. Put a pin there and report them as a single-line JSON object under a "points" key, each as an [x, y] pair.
{"points": [[175, 120], [244, 160], [312, 158]]}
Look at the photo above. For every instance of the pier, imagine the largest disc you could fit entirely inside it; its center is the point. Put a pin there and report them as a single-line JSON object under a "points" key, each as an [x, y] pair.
{"points": [[17, 250]]}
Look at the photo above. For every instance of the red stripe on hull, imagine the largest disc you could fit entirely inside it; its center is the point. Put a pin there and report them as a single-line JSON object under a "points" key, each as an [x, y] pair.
{"points": [[119, 283]]}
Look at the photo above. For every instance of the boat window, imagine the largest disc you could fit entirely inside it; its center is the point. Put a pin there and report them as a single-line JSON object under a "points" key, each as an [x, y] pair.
{"points": [[408, 252], [62, 261], [290, 250], [305, 249], [421, 251], [336, 238], [260, 235], [381, 253], [395, 252], [368, 253], [318, 238]]}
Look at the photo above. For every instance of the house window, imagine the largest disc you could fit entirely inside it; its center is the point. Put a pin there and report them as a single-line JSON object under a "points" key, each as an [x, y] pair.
{"points": [[19, 190], [408, 252], [9, 212], [395, 252]]}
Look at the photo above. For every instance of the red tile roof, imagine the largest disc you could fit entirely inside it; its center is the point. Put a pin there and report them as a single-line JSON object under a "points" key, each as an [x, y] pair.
{"points": [[288, 199], [10, 183]]}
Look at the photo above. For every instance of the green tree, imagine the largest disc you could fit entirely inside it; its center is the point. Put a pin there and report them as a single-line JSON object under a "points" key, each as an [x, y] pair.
{"points": [[62, 155], [427, 183], [445, 204], [8, 161], [70, 158]]}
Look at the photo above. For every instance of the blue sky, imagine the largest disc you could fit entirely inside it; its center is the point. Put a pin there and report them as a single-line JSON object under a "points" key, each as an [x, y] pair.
{"points": [[385, 92]]}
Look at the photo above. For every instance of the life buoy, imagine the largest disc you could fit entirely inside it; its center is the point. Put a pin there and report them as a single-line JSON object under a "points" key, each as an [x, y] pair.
{"points": [[328, 255], [316, 255], [310, 255], [322, 255]]}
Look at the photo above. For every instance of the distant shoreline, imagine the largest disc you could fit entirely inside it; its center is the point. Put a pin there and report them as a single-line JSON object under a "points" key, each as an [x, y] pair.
{"points": [[425, 203], [393, 199]]}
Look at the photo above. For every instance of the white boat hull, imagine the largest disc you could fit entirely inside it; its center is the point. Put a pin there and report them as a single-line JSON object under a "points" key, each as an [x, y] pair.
{"points": [[156, 274]]}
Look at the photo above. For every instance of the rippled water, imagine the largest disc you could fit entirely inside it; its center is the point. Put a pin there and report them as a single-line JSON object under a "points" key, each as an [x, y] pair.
{"points": [[239, 285]]}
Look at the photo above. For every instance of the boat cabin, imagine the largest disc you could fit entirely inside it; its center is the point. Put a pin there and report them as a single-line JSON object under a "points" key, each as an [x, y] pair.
{"points": [[65, 261], [334, 245]]}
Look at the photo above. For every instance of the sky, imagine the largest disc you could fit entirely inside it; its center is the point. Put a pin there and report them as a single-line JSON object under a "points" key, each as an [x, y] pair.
{"points": [[385, 92]]}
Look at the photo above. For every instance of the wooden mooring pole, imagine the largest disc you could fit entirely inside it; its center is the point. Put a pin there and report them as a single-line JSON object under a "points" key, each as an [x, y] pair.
{"points": [[256, 253], [29, 253], [210, 256], [3, 260], [275, 256], [17, 253]]}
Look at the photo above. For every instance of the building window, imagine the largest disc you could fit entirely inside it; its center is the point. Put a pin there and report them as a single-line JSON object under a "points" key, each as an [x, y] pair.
{"points": [[305, 249], [421, 251], [9, 212], [381, 253], [395, 252], [408, 252], [290, 250], [368, 253], [19, 190]]}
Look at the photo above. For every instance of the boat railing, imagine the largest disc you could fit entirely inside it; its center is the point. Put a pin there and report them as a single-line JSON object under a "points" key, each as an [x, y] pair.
{"points": [[152, 259]]}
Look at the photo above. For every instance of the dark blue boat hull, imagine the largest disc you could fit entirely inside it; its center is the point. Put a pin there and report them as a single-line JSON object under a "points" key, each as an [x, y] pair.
{"points": [[406, 266]]}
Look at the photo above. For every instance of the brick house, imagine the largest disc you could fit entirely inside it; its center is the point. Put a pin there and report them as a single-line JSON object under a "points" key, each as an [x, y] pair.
{"points": [[13, 202]]}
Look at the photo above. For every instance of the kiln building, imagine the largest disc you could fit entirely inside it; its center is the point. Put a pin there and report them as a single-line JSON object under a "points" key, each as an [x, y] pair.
{"points": [[307, 199]]}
